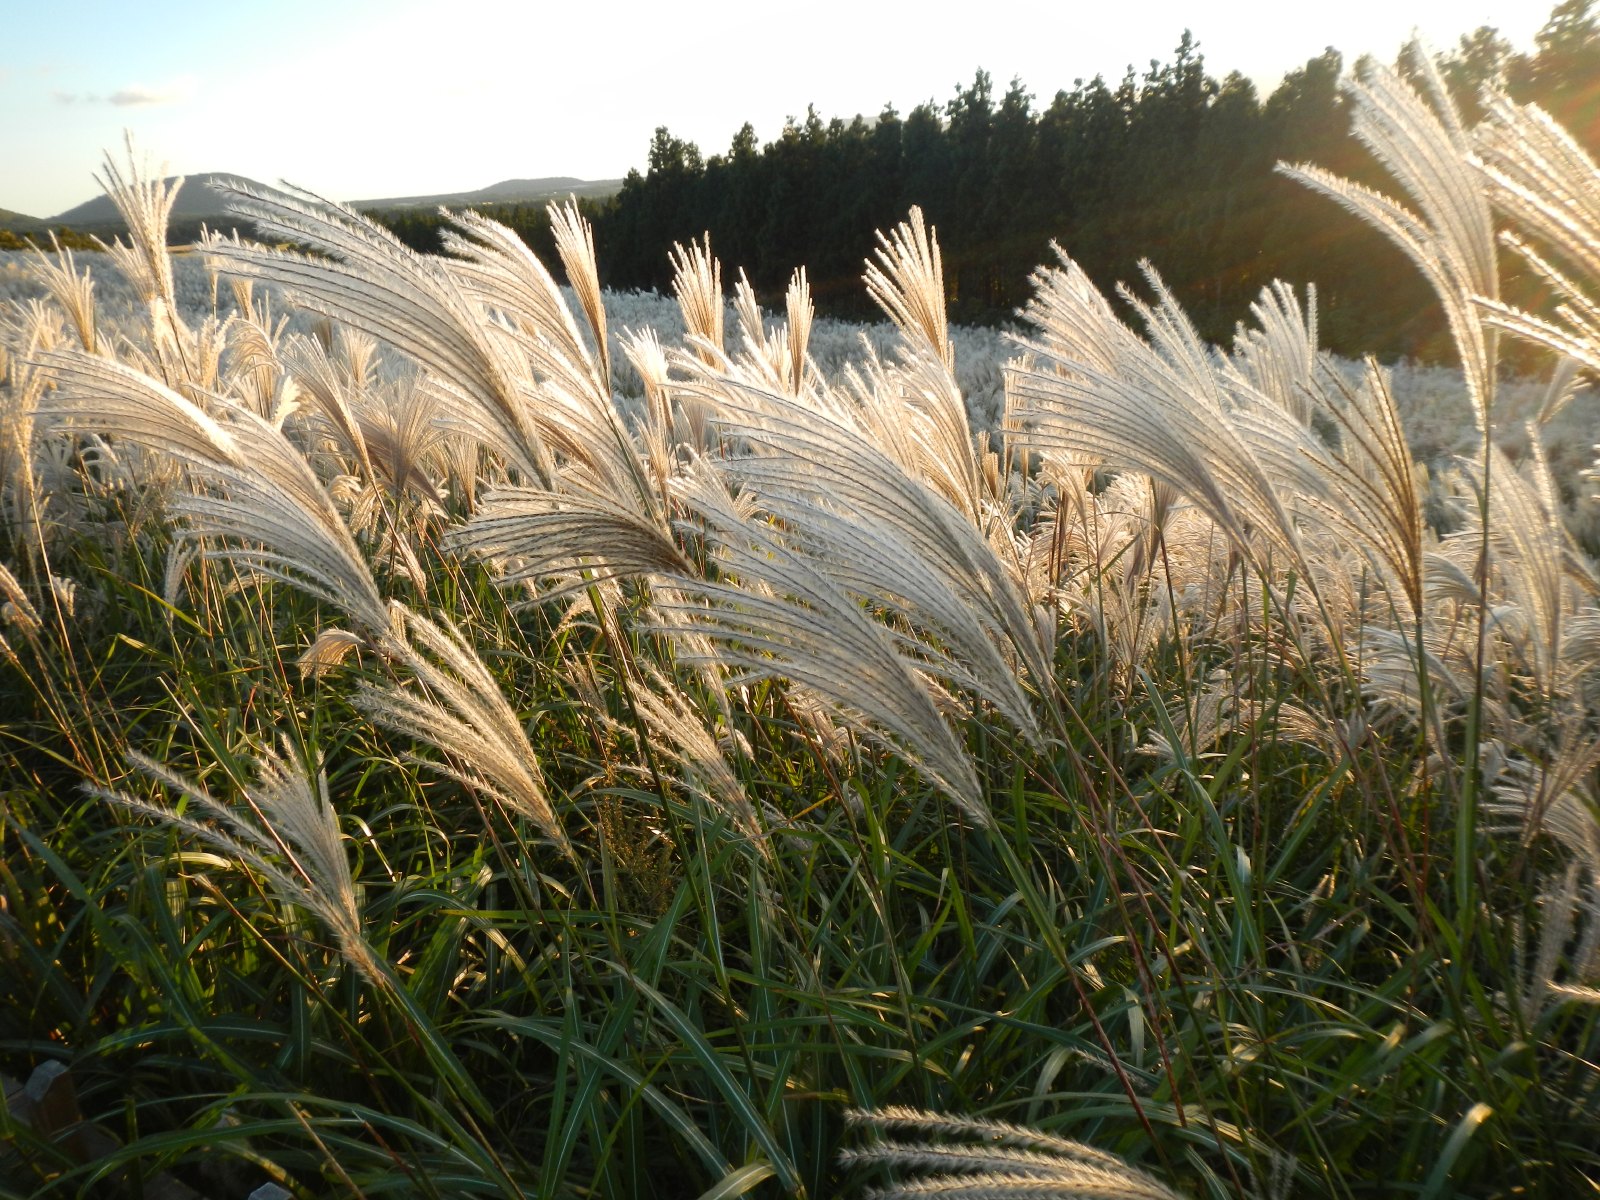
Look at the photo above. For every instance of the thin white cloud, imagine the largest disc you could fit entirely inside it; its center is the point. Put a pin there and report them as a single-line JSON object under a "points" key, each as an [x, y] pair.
{"points": [[134, 95], [138, 94]]}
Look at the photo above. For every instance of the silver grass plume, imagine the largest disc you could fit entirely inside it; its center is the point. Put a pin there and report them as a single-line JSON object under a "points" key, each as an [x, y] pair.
{"points": [[145, 204], [457, 707], [1365, 490], [569, 397], [570, 538], [799, 311], [262, 496], [772, 614], [820, 474], [1092, 389], [286, 832], [72, 291], [1534, 560], [679, 739], [962, 1158], [365, 277], [1279, 355], [574, 239], [255, 374], [22, 498], [1451, 239], [765, 354], [777, 358], [697, 284], [17, 612], [1541, 178], [334, 375], [907, 282]]}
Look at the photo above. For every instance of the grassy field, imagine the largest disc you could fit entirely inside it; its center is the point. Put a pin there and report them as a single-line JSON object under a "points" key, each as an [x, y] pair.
{"points": [[465, 737]]}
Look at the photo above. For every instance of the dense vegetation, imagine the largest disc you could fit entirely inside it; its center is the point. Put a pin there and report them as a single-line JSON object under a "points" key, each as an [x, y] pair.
{"points": [[34, 235], [425, 776]]}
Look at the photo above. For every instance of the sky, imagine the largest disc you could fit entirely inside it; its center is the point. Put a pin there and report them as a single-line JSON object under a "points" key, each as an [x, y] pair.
{"points": [[362, 99]]}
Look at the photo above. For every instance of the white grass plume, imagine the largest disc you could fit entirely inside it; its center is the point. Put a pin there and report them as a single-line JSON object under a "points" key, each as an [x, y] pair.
{"points": [[145, 203], [697, 283], [785, 619], [1092, 389], [72, 291], [574, 239], [1451, 239], [960, 1158], [263, 496], [866, 516], [572, 539], [907, 282], [458, 708], [364, 276], [286, 832], [1540, 177]]}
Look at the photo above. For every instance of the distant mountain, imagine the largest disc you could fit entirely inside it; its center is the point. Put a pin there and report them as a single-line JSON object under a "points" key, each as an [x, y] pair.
{"points": [[507, 191], [197, 201]]}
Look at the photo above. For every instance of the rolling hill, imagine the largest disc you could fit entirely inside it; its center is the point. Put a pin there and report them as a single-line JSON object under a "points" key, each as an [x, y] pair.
{"points": [[507, 191], [197, 200]]}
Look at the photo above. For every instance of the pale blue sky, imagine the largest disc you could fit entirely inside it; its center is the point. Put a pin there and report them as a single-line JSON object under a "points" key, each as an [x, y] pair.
{"points": [[362, 98]]}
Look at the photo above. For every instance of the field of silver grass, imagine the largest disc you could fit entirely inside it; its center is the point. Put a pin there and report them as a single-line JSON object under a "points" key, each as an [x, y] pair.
{"points": [[469, 736], [1431, 399]]}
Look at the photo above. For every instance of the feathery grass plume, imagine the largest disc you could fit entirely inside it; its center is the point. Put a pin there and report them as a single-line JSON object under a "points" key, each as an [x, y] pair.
{"points": [[907, 282], [364, 276], [800, 312], [697, 283], [22, 498], [962, 1158], [1540, 177], [1555, 796], [330, 648], [334, 374], [145, 204], [570, 538], [605, 502], [1108, 547], [404, 442], [570, 397], [73, 292], [461, 711], [774, 615], [1531, 563], [256, 376], [820, 474], [765, 354], [263, 496], [287, 833], [1576, 896], [1366, 491], [1091, 388], [1279, 355], [678, 735], [1423, 145], [574, 239]]}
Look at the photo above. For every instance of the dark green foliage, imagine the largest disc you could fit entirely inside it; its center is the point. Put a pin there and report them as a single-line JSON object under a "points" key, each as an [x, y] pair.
{"points": [[1171, 165]]}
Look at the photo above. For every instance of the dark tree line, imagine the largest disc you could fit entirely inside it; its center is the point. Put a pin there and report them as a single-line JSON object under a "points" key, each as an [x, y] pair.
{"points": [[1172, 165]]}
